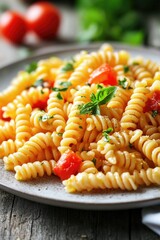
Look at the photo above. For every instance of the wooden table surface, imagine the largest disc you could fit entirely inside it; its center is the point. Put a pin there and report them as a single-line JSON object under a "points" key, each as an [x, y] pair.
{"points": [[21, 219]]}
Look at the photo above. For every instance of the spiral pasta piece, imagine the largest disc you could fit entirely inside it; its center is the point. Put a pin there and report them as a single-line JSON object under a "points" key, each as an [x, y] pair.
{"points": [[75, 126], [32, 170], [28, 151], [120, 99], [7, 131], [88, 167], [82, 73], [149, 147], [101, 123], [55, 109], [147, 177], [31, 96], [134, 107], [21, 82], [9, 146], [89, 181], [23, 126], [40, 125], [142, 74]]}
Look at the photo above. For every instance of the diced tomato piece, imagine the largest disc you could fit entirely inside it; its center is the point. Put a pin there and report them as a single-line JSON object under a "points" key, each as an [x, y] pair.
{"points": [[68, 164], [153, 103], [40, 104], [104, 74], [3, 118]]}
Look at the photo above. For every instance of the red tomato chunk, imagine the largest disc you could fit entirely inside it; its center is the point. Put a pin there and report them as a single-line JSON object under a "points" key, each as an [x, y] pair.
{"points": [[3, 118], [68, 164], [40, 104], [104, 74], [153, 103]]}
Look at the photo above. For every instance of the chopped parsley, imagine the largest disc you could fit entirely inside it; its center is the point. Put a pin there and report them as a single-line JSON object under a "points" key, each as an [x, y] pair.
{"points": [[106, 134], [103, 96], [42, 92], [123, 83], [99, 86], [45, 118], [154, 113], [38, 83], [94, 161], [130, 145], [68, 67], [59, 96], [126, 69], [65, 84], [60, 134], [31, 67]]}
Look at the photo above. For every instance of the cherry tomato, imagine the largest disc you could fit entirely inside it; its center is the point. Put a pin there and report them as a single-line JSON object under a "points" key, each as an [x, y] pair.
{"points": [[153, 103], [68, 164], [3, 118], [104, 74], [40, 104], [44, 19], [13, 27]]}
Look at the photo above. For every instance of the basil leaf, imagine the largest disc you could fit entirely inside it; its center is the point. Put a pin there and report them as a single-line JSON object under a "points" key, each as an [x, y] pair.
{"points": [[68, 67], [87, 108], [59, 96], [93, 97], [31, 67], [59, 89], [105, 94], [65, 84]]}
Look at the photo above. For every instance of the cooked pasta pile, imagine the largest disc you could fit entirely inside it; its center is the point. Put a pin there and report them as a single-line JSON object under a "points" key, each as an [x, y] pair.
{"points": [[59, 106]]}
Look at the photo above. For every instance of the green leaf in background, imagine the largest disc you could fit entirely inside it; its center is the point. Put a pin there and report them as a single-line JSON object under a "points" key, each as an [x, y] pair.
{"points": [[93, 24], [133, 37], [131, 21]]}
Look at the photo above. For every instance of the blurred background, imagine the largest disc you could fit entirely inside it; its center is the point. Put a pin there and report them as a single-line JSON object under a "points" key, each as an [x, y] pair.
{"points": [[131, 22]]}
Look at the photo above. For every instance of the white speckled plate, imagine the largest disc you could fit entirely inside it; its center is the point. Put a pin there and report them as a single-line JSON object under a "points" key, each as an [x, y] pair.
{"points": [[49, 190]]}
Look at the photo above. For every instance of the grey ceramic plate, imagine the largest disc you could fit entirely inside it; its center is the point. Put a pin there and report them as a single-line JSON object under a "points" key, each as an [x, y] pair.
{"points": [[50, 190]]}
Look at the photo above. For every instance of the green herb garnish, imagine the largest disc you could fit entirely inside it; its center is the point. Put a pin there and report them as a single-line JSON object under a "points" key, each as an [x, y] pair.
{"points": [[65, 84], [42, 92], [126, 69], [59, 96], [135, 63], [68, 67], [45, 118], [94, 161], [103, 96], [123, 83], [99, 86], [130, 145], [60, 134], [31, 67], [154, 113], [55, 89], [38, 83], [106, 134]]}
